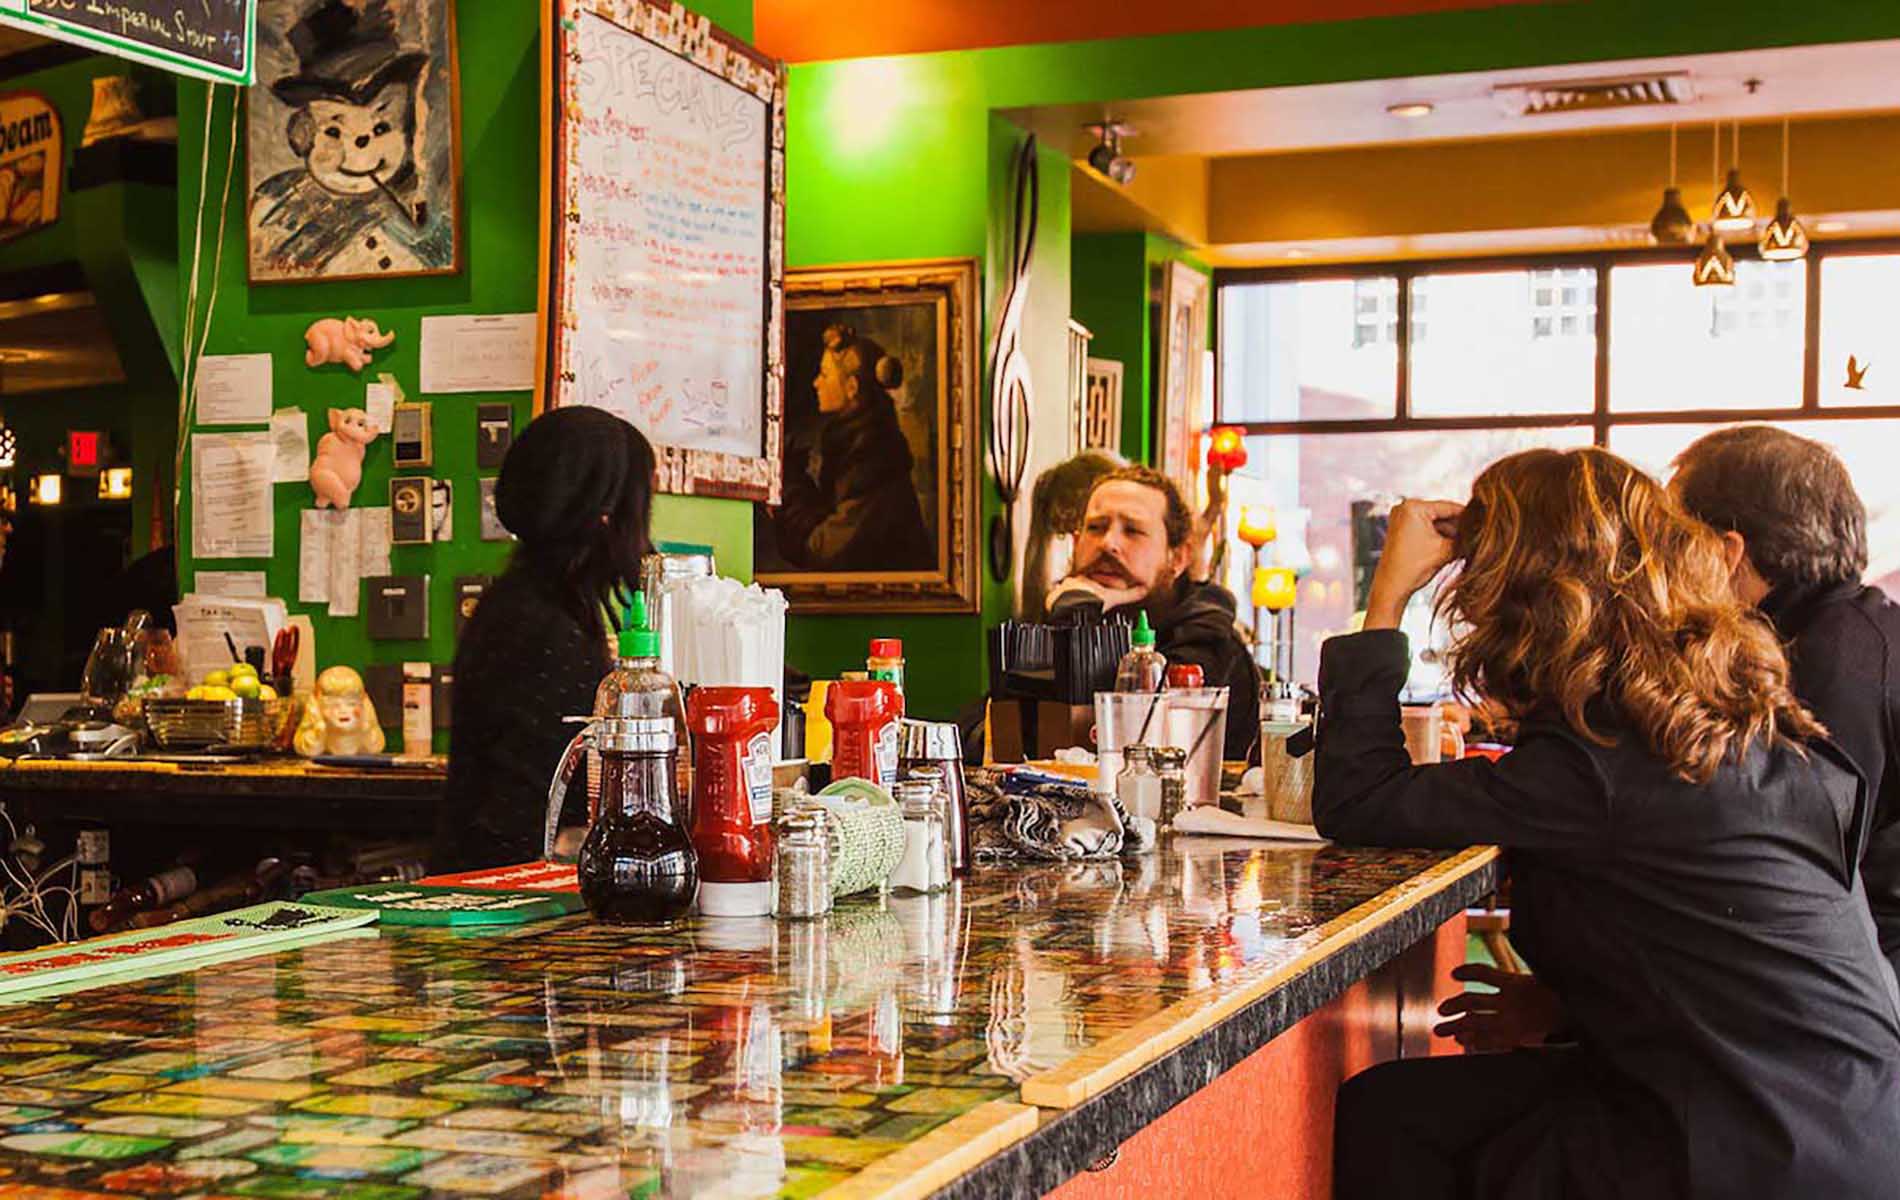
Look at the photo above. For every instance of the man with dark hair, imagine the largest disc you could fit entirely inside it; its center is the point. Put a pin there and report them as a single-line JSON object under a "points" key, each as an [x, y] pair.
{"points": [[1132, 553], [1795, 532]]}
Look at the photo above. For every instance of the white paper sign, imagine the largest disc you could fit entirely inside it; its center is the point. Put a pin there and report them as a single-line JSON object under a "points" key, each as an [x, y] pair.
{"points": [[338, 549], [234, 389], [493, 353], [231, 495], [380, 400], [204, 620], [244, 585], [290, 441]]}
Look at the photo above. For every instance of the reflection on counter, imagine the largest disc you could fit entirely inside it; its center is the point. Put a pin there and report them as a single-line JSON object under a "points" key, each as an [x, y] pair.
{"points": [[732, 1057]]}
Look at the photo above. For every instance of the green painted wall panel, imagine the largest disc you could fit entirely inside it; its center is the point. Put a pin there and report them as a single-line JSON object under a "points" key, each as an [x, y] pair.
{"points": [[500, 80]]}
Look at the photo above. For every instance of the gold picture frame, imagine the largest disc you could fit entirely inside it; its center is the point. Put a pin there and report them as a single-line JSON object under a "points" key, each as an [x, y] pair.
{"points": [[843, 539]]}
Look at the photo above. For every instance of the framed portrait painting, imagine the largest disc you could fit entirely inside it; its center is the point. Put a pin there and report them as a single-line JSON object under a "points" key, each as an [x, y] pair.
{"points": [[354, 136], [878, 508], [1183, 336]]}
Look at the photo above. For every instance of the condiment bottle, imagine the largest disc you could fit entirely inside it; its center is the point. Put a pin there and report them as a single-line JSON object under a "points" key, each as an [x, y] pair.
{"points": [[1142, 669], [1138, 787], [637, 866], [864, 716], [732, 798], [166, 887], [925, 866], [886, 661], [804, 866], [638, 687], [1186, 675]]}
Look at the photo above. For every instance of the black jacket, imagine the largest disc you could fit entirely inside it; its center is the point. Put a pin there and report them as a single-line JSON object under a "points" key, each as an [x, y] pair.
{"points": [[1195, 626], [524, 663], [849, 502], [1711, 943], [1844, 648]]}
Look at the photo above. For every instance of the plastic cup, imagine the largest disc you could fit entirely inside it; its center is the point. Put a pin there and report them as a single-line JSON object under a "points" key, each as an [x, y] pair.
{"points": [[1197, 722], [1124, 719]]}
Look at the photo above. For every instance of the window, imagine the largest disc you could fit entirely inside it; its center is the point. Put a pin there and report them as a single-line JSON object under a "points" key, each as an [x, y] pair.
{"points": [[1314, 481], [1676, 347], [1506, 342], [1306, 350], [1857, 326], [1345, 416]]}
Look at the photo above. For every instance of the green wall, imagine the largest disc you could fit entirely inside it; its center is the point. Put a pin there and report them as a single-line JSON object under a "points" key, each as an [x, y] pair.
{"points": [[500, 101], [1114, 288]]}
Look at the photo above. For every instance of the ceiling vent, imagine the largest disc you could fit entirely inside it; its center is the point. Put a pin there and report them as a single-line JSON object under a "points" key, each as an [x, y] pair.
{"points": [[1660, 90]]}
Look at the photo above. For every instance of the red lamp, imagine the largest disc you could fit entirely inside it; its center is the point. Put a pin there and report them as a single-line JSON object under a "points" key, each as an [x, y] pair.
{"points": [[1227, 449]]}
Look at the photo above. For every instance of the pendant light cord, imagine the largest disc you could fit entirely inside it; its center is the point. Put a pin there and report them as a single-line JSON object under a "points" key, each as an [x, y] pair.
{"points": [[1672, 154], [1784, 156]]}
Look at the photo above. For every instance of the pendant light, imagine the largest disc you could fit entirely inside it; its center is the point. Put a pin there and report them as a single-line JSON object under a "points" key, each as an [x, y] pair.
{"points": [[1672, 225], [1714, 266], [1734, 210], [1784, 240]]}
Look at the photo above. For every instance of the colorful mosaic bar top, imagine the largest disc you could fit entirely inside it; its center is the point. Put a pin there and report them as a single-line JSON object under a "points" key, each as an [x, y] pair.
{"points": [[728, 1058]]}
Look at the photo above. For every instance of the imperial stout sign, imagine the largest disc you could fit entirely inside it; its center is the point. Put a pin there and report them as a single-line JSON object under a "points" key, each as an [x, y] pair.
{"points": [[211, 39], [30, 158]]}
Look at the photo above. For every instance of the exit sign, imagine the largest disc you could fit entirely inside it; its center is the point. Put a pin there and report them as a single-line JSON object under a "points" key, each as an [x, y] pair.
{"points": [[82, 451]]}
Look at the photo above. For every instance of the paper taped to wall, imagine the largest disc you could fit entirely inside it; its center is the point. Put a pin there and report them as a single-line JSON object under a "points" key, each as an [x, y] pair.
{"points": [[231, 495]]}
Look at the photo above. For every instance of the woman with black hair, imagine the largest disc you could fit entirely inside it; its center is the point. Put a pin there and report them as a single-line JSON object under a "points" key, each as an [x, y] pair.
{"points": [[577, 490]]}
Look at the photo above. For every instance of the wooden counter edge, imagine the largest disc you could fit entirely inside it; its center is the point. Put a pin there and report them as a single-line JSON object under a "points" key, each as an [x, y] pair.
{"points": [[942, 1155], [1114, 1059]]}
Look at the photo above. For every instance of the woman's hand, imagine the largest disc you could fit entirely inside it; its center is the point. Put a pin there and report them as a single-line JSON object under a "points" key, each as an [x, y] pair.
{"points": [[1417, 546], [1522, 1012]]}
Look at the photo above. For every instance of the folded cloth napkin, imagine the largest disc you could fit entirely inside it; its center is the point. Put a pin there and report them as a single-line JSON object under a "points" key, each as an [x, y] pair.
{"points": [[1030, 814], [1208, 819]]}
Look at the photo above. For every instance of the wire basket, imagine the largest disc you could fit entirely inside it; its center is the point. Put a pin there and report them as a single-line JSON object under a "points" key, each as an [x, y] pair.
{"points": [[241, 724]]}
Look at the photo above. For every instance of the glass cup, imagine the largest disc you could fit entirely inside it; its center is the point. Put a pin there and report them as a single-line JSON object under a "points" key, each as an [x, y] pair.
{"points": [[1429, 738], [1197, 722], [1124, 719]]}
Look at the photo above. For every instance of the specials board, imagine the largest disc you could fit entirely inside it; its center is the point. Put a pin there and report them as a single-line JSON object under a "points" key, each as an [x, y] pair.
{"points": [[207, 39], [663, 235]]}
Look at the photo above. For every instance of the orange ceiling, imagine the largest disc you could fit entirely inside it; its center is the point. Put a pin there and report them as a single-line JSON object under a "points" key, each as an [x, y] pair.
{"points": [[813, 30]]}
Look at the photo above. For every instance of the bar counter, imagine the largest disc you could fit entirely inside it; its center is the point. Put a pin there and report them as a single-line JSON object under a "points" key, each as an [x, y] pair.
{"points": [[278, 793], [993, 1041]]}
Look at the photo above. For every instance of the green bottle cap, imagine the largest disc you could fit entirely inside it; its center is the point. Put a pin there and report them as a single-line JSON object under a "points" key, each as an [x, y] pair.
{"points": [[1144, 634], [638, 639]]}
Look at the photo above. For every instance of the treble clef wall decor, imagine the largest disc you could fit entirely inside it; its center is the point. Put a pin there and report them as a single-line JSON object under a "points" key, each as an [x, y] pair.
{"points": [[1010, 386]]}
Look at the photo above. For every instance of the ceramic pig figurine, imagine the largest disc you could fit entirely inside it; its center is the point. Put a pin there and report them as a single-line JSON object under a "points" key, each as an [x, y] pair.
{"points": [[338, 466], [347, 341]]}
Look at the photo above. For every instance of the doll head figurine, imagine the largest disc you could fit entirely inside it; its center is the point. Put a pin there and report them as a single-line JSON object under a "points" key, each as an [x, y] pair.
{"points": [[340, 718]]}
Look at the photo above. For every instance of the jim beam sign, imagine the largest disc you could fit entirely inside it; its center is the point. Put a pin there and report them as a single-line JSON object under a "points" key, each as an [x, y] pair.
{"points": [[31, 152]]}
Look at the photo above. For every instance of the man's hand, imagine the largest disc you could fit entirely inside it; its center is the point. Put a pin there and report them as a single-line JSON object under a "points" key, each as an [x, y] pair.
{"points": [[1522, 1012], [1417, 546], [1110, 595]]}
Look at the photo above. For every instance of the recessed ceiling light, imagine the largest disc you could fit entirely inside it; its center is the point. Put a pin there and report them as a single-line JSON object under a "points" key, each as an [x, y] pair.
{"points": [[1830, 226], [1411, 111], [1296, 252]]}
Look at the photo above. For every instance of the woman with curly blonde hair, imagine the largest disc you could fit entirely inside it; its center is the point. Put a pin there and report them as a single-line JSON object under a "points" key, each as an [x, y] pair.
{"points": [[1683, 844]]}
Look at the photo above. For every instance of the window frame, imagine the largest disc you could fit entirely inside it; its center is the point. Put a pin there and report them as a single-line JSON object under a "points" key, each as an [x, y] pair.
{"points": [[1599, 418]]}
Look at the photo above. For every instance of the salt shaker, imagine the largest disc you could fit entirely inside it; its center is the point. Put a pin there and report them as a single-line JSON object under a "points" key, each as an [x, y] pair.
{"points": [[1138, 787], [804, 867], [925, 866]]}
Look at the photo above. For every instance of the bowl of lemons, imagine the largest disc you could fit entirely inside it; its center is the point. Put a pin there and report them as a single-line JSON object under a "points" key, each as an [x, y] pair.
{"points": [[231, 708]]}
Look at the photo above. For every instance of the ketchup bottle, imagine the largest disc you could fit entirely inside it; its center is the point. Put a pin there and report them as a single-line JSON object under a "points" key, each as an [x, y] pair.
{"points": [[732, 798], [864, 716]]}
